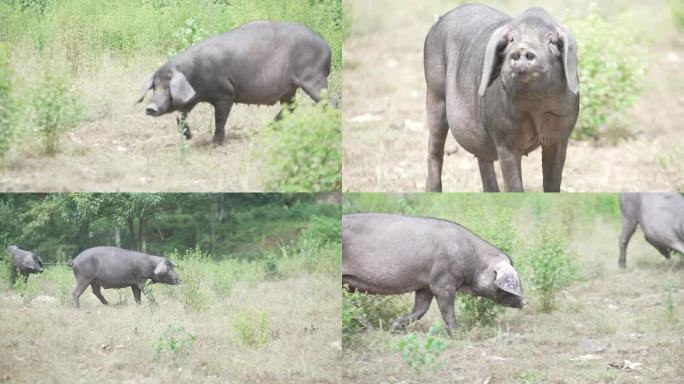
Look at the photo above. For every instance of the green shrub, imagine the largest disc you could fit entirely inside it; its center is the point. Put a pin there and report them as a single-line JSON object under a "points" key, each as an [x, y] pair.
{"points": [[301, 152], [191, 276], [56, 105], [420, 353], [677, 8], [609, 74], [547, 266], [189, 34], [27, 291], [252, 329], [173, 345], [361, 310], [669, 301], [477, 311], [7, 104]]}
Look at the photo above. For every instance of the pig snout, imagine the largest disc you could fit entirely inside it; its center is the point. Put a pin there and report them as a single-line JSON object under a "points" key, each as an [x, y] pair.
{"points": [[152, 109], [523, 63]]}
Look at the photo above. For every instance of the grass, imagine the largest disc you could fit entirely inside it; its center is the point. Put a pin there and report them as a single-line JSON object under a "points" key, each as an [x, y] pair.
{"points": [[169, 341], [606, 315], [106, 54]]}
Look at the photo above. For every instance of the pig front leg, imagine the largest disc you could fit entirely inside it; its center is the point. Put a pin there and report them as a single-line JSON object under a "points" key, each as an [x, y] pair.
{"points": [[183, 126], [221, 112]]}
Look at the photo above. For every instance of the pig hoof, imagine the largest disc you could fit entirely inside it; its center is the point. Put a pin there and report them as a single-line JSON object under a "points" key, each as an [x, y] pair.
{"points": [[218, 140]]}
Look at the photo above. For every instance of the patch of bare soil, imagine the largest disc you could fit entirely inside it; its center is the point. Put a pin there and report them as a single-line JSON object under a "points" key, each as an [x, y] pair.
{"points": [[385, 136], [611, 326]]}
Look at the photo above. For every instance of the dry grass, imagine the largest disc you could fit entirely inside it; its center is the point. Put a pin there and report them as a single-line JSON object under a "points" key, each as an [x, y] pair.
{"points": [[608, 316], [383, 80], [47, 341], [118, 148]]}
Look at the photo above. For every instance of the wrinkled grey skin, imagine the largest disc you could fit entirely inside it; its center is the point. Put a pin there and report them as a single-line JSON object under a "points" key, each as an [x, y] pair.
{"points": [[111, 267], [387, 254], [261, 62], [24, 263], [661, 218], [504, 87]]}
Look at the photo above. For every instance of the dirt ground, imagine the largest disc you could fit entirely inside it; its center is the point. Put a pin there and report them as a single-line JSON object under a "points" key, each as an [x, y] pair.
{"points": [[119, 148], [607, 318], [48, 341], [385, 136]]}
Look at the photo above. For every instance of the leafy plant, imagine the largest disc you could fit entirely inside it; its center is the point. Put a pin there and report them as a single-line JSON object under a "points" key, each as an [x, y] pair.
{"points": [[7, 103], [609, 73], [26, 290], [353, 316], [420, 353], [548, 265], [301, 151], [478, 311], [189, 34], [56, 105], [252, 329], [174, 344], [191, 277], [677, 8], [669, 301], [529, 376]]}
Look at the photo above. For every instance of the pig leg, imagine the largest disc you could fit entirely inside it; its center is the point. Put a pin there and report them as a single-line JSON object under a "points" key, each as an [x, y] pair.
{"points": [[422, 304], [221, 112], [183, 126], [629, 225], [286, 103], [96, 291], [510, 167], [25, 276], [488, 176], [553, 159], [445, 301], [78, 291], [136, 294], [14, 276], [438, 127]]}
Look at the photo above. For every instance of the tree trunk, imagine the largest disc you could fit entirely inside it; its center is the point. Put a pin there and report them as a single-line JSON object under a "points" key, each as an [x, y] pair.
{"points": [[133, 243], [117, 238]]}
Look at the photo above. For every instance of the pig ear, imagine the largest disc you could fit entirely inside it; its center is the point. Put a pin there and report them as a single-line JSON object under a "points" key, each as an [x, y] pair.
{"points": [[492, 58], [569, 58], [507, 279], [161, 268], [181, 90], [146, 87]]}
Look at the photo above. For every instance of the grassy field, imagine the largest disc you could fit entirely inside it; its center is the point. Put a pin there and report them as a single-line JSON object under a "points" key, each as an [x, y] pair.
{"points": [[384, 132], [609, 326], [227, 322], [104, 55]]}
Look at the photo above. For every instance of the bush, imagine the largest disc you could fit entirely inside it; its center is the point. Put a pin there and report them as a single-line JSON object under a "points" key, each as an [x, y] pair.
{"points": [[548, 266], [677, 8], [609, 74], [301, 151], [477, 311], [252, 329], [361, 310], [7, 106], [420, 353], [56, 105], [174, 344], [191, 276]]}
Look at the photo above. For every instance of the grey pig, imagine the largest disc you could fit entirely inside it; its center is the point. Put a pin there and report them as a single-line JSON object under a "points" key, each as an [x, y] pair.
{"points": [[111, 267], [261, 62], [388, 254], [504, 86], [24, 263], [661, 217]]}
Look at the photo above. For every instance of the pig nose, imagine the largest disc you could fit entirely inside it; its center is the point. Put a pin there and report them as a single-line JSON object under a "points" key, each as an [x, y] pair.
{"points": [[523, 61], [152, 109]]}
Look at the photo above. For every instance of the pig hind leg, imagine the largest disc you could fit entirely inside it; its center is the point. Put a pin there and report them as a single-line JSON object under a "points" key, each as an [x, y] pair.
{"points": [[98, 293], [422, 304], [629, 225], [78, 291]]}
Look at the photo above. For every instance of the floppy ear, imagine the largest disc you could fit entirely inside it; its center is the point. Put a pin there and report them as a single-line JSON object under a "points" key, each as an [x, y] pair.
{"points": [[569, 58], [507, 279], [492, 58], [39, 260], [181, 90], [161, 268], [146, 87]]}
